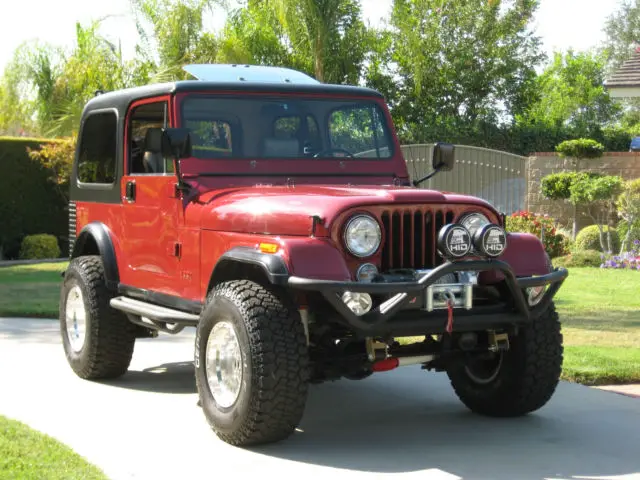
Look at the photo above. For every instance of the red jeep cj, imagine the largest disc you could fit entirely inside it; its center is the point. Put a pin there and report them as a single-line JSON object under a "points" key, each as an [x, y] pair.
{"points": [[275, 215]]}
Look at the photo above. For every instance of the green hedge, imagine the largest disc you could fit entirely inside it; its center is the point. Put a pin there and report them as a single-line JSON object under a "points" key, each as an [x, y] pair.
{"points": [[29, 202], [520, 140]]}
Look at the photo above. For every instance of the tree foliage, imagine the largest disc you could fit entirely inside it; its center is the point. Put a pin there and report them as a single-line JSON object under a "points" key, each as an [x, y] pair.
{"points": [[458, 60], [57, 159], [570, 94], [557, 186], [45, 88], [462, 71], [628, 206], [597, 194]]}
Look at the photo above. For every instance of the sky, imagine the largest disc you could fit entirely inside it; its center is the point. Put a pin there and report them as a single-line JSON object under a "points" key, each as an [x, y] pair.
{"points": [[562, 24]]}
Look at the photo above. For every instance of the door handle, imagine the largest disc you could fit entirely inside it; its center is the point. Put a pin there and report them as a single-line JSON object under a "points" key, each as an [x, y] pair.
{"points": [[130, 191]]}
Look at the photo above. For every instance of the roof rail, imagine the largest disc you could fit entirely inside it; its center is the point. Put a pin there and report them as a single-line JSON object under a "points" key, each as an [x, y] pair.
{"points": [[247, 73]]}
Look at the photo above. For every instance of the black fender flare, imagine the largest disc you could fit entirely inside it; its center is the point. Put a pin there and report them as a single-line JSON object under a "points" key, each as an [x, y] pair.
{"points": [[272, 265], [99, 233]]}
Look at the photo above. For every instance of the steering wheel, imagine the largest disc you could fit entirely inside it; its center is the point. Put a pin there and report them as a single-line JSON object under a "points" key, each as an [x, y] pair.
{"points": [[331, 150]]}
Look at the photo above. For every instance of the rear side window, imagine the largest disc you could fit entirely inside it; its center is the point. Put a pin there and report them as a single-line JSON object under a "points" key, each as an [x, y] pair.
{"points": [[97, 158]]}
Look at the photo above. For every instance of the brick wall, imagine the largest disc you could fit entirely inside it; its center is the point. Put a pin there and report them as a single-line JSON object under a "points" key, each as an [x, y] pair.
{"points": [[625, 164]]}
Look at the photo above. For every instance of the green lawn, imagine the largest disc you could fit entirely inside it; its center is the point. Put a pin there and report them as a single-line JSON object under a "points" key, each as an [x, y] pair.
{"points": [[26, 454], [31, 290], [599, 309], [600, 313]]}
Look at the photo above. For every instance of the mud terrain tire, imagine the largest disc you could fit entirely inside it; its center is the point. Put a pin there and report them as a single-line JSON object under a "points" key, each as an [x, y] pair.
{"points": [[272, 358], [109, 337], [526, 379]]}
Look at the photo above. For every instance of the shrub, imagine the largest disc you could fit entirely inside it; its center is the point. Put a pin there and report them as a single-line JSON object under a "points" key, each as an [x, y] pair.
{"points": [[29, 202], [39, 246], [542, 226], [589, 238], [580, 148], [585, 258]]}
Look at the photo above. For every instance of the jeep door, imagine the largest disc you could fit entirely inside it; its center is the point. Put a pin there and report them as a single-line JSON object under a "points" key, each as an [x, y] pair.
{"points": [[152, 212]]}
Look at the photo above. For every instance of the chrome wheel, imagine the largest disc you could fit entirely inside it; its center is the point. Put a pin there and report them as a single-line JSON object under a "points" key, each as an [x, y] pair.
{"points": [[76, 319], [484, 370], [223, 364]]}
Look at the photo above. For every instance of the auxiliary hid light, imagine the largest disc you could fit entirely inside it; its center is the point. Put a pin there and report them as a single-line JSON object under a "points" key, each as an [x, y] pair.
{"points": [[490, 240], [358, 303], [454, 241]]}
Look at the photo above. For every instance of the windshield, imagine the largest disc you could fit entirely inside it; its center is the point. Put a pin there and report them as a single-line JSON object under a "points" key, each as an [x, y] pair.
{"points": [[296, 127]]}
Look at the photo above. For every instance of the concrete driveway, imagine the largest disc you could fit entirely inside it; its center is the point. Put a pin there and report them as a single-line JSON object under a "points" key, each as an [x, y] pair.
{"points": [[402, 424]]}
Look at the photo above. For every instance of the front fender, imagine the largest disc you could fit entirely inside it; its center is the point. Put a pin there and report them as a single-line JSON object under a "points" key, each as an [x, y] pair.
{"points": [[315, 258], [525, 254]]}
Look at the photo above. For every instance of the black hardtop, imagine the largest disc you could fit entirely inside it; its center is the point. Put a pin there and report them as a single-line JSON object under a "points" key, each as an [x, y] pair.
{"points": [[121, 99]]}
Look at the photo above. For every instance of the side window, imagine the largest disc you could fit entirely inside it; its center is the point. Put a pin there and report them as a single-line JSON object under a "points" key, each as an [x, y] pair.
{"points": [[97, 159], [144, 121]]}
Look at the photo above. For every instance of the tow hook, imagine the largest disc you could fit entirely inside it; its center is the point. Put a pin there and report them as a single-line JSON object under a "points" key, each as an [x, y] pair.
{"points": [[498, 342]]}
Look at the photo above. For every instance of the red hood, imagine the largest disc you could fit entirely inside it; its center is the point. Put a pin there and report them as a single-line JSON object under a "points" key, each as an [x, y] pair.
{"points": [[281, 210]]}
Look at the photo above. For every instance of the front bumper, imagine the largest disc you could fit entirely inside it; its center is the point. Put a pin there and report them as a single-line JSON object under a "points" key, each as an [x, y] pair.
{"points": [[394, 315]]}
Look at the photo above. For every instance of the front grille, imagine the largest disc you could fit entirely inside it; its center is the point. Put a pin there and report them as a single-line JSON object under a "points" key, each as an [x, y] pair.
{"points": [[411, 236]]}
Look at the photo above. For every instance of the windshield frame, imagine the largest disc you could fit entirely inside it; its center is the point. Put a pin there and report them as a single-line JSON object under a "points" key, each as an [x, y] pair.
{"points": [[274, 166]]}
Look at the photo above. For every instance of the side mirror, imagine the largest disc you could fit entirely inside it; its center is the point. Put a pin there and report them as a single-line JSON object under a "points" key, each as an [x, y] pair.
{"points": [[176, 142], [170, 142], [443, 157]]}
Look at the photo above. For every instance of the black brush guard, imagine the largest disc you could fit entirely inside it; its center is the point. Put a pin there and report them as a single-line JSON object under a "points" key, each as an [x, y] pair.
{"points": [[393, 316]]}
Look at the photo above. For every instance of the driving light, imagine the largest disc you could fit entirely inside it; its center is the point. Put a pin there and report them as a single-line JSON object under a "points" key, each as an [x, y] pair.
{"points": [[358, 303], [490, 240], [362, 235], [366, 272], [534, 295], [454, 241], [473, 222]]}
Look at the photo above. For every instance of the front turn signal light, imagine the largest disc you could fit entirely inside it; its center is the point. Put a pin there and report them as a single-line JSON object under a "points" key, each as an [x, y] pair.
{"points": [[268, 247]]}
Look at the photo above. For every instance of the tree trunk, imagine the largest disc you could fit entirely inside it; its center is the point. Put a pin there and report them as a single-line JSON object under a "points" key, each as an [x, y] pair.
{"points": [[627, 238], [319, 60]]}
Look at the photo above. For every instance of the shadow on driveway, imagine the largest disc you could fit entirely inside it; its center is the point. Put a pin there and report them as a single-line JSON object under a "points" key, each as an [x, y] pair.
{"points": [[410, 421], [177, 378]]}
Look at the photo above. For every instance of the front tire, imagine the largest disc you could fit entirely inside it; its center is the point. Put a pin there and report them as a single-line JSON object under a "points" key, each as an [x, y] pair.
{"points": [[98, 341], [521, 380], [251, 364]]}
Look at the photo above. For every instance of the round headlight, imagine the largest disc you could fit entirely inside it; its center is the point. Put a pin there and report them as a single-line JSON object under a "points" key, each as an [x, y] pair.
{"points": [[362, 235], [473, 222]]}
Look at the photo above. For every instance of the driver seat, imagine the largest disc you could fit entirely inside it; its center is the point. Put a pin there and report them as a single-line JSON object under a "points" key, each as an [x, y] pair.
{"points": [[153, 160]]}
